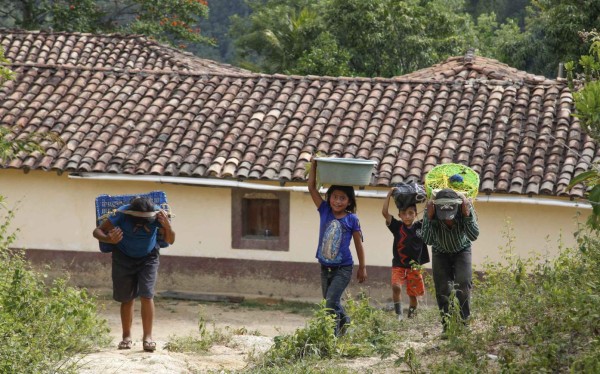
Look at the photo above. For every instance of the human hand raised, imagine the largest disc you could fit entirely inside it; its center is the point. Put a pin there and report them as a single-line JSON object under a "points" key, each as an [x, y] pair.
{"points": [[466, 205], [163, 219], [115, 235], [430, 209]]}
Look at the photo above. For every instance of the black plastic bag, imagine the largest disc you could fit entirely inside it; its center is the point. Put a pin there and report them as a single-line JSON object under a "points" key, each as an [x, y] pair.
{"points": [[408, 193]]}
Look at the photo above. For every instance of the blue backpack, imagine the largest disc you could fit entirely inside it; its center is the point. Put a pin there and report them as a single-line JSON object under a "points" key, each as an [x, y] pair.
{"points": [[107, 205]]}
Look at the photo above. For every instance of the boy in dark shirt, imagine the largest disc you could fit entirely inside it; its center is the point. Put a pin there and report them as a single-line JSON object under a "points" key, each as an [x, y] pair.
{"points": [[408, 248]]}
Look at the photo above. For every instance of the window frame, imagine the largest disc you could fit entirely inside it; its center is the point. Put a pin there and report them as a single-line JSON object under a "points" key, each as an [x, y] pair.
{"points": [[279, 243]]}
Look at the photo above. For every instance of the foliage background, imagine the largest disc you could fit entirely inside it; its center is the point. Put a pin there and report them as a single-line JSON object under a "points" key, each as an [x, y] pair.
{"points": [[334, 37]]}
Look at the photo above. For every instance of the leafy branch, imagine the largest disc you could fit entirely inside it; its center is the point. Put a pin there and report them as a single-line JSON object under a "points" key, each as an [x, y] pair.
{"points": [[587, 107]]}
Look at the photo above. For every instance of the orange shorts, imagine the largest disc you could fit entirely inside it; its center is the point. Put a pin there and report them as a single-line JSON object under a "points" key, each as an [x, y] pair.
{"points": [[412, 279]]}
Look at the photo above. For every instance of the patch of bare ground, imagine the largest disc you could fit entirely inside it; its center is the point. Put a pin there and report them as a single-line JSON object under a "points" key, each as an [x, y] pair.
{"points": [[251, 330]]}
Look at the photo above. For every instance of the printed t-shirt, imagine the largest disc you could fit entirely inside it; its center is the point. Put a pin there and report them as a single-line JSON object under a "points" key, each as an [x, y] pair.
{"points": [[408, 244], [335, 236]]}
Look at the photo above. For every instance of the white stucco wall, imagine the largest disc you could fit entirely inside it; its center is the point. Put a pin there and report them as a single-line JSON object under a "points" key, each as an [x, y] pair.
{"points": [[57, 213]]}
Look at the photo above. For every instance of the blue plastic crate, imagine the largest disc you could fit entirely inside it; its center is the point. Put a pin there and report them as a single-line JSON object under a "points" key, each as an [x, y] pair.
{"points": [[108, 204]]}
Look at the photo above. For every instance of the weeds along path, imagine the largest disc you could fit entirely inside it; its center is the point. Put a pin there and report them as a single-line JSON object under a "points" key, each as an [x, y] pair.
{"points": [[242, 330], [249, 327]]}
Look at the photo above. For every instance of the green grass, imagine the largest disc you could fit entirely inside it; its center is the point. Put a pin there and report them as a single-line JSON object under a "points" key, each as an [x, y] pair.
{"points": [[202, 341], [371, 332], [308, 366]]}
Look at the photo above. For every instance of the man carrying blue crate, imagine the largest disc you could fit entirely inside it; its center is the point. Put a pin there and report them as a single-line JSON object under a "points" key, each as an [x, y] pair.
{"points": [[134, 230]]}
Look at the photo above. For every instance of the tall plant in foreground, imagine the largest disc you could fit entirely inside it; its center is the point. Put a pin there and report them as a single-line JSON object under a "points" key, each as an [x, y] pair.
{"points": [[13, 144], [5, 73], [42, 327], [587, 106], [371, 332], [533, 315]]}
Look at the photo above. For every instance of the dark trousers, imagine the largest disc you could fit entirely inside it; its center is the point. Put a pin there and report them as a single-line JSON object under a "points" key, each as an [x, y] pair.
{"points": [[452, 271], [133, 277], [334, 281]]}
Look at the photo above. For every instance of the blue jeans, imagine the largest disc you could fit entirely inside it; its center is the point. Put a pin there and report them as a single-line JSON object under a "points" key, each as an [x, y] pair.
{"points": [[334, 280], [452, 271]]}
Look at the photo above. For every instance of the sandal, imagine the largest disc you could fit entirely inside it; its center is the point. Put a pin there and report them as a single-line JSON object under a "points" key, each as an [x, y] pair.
{"points": [[149, 346], [125, 344]]}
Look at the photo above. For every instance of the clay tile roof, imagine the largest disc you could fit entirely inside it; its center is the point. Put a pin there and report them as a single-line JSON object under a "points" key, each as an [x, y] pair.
{"points": [[158, 111], [474, 68], [109, 51]]}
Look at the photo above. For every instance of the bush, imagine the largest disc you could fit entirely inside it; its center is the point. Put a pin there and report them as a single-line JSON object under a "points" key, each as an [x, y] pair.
{"points": [[42, 327], [371, 332], [535, 315]]}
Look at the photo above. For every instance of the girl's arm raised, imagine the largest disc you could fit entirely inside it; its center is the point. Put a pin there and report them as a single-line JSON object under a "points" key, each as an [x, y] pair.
{"points": [[312, 184], [360, 253]]}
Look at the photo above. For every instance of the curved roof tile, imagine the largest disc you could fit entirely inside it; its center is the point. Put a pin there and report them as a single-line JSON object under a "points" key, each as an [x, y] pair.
{"points": [[168, 118], [107, 51]]}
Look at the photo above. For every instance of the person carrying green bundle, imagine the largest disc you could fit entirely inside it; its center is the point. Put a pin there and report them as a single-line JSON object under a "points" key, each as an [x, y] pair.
{"points": [[449, 226]]}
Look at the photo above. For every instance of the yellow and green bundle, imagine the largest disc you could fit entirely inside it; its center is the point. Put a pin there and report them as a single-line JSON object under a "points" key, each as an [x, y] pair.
{"points": [[458, 177]]}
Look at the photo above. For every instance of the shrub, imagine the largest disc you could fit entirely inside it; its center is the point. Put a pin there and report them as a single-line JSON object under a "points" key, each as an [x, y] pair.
{"points": [[371, 332], [316, 340], [535, 315], [42, 327]]}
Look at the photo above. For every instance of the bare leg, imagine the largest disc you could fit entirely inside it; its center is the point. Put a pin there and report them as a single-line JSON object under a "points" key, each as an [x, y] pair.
{"points": [[127, 319], [413, 301], [396, 290], [147, 317]]}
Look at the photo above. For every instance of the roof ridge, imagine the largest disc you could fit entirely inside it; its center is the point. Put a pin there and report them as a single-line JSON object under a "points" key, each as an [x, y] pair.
{"points": [[52, 32], [470, 66], [62, 44], [150, 42], [374, 80]]}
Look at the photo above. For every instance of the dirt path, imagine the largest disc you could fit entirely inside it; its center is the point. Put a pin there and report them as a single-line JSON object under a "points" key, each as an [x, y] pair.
{"points": [[252, 330]]}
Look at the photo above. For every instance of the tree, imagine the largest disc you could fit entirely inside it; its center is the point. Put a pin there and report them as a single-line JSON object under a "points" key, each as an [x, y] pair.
{"points": [[587, 107], [551, 28], [504, 9], [499, 41], [216, 27], [278, 34], [366, 38], [171, 21]]}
